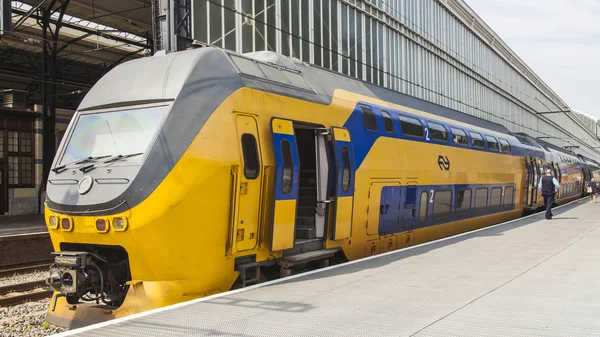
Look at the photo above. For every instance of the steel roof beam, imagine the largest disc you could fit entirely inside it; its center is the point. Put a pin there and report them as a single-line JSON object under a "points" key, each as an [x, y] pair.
{"points": [[85, 30]]}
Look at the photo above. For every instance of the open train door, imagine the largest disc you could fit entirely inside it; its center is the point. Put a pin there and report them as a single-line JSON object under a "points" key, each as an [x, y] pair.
{"points": [[344, 183], [285, 152]]}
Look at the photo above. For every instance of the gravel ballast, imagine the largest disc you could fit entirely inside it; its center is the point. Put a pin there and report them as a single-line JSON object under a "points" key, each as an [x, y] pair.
{"points": [[27, 319]]}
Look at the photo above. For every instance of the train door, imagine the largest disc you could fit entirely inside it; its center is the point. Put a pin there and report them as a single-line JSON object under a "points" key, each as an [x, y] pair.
{"points": [[303, 195], [409, 209], [344, 183], [249, 184], [536, 178], [389, 209], [528, 182], [286, 184], [384, 209], [376, 207]]}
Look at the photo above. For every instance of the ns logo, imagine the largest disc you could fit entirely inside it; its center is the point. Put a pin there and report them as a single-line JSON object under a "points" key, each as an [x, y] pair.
{"points": [[444, 163]]}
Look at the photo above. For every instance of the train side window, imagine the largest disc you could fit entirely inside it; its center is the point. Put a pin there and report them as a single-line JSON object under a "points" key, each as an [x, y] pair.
{"points": [[369, 120], [423, 206], [477, 140], [438, 132], [481, 198], [459, 137], [250, 154], [463, 202], [442, 204], [509, 194], [345, 169], [388, 123], [492, 143], [496, 199], [288, 168], [504, 145], [411, 126]]}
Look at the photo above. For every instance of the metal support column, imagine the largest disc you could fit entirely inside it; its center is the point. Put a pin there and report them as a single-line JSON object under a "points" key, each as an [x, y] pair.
{"points": [[172, 22], [50, 52]]}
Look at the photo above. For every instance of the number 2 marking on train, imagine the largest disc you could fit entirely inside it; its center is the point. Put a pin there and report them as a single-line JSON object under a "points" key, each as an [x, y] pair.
{"points": [[427, 133], [431, 199]]}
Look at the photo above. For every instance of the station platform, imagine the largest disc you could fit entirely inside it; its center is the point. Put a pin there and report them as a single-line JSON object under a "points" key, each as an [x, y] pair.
{"points": [[528, 277], [22, 224]]}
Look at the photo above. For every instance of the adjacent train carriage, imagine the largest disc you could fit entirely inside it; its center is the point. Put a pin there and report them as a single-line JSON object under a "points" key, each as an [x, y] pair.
{"points": [[186, 174]]}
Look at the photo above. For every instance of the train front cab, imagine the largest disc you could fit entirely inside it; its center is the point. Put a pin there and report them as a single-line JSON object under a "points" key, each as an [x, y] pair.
{"points": [[311, 185]]}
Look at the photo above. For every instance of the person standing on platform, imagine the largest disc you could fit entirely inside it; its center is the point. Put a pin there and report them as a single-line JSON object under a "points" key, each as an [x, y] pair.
{"points": [[592, 188], [548, 186]]}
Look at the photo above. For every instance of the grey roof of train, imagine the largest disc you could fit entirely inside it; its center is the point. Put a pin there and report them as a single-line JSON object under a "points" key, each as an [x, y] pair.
{"points": [[325, 81]]}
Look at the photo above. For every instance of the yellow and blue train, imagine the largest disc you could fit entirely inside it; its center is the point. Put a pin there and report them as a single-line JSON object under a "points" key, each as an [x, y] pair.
{"points": [[186, 174]]}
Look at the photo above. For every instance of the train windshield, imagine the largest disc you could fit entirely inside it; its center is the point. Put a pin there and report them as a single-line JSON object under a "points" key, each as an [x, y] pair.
{"points": [[114, 133]]}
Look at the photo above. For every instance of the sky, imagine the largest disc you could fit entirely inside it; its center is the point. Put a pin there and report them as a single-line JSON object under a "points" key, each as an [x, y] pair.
{"points": [[558, 39]]}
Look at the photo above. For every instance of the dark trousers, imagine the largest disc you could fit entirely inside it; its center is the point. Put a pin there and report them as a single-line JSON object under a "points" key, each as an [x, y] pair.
{"points": [[548, 201]]}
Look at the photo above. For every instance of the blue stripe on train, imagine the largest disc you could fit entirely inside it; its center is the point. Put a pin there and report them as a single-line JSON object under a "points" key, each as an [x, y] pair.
{"points": [[400, 206], [363, 139]]}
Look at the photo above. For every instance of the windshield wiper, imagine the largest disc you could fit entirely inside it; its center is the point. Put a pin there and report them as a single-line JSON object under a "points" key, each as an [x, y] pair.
{"points": [[77, 162], [110, 160]]}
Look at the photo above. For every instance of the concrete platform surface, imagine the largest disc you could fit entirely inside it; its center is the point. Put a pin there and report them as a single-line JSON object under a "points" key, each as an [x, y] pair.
{"points": [[22, 224], [529, 277]]}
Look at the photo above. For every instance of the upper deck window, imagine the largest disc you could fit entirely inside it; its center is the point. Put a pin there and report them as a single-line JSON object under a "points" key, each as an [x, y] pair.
{"points": [[504, 145], [411, 126], [388, 123], [477, 140], [113, 133], [437, 132], [369, 120], [459, 137], [492, 143]]}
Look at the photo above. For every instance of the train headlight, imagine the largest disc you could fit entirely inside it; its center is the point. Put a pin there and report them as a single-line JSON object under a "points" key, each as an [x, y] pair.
{"points": [[66, 224], [102, 225], [119, 224], [53, 222]]}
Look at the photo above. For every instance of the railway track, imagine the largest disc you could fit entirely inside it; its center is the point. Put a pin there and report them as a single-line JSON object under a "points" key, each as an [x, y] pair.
{"points": [[31, 291], [25, 269], [24, 250]]}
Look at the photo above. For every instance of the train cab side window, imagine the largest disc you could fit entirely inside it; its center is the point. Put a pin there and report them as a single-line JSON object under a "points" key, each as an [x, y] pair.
{"points": [[438, 132], [481, 198], [505, 145], [509, 193], [492, 143], [463, 202], [459, 137], [345, 169], [388, 123], [288, 168], [477, 140], [250, 154], [496, 199], [423, 206], [411, 127], [369, 120], [442, 204]]}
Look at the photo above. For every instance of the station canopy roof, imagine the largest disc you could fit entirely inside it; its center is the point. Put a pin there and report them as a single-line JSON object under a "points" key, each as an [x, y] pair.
{"points": [[95, 36]]}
